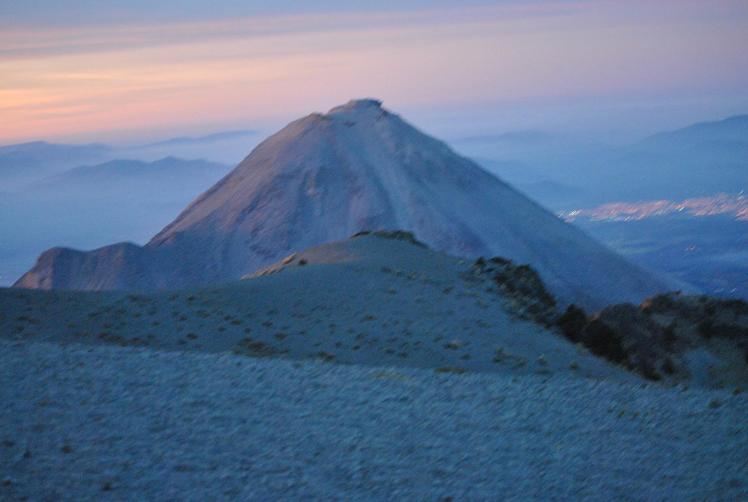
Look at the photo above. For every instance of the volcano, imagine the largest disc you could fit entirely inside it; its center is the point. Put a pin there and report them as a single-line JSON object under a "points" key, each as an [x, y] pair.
{"points": [[328, 176]]}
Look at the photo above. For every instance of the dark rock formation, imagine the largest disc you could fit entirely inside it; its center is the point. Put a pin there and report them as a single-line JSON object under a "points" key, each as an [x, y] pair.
{"points": [[661, 338], [398, 235], [521, 286]]}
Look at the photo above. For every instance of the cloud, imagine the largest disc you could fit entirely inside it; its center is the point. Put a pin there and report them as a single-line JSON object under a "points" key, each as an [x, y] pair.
{"points": [[46, 41]]}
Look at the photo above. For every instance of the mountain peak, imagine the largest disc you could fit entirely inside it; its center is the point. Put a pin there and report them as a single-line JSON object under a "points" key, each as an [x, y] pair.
{"points": [[359, 104], [357, 107]]}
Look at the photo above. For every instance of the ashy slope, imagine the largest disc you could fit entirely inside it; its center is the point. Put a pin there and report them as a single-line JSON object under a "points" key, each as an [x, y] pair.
{"points": [[358, 167], [105, 423]]}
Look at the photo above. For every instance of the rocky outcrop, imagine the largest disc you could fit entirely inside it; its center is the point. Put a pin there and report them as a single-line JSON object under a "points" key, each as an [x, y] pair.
{"points": [[670, 337], [521, 287], [398, 235]]}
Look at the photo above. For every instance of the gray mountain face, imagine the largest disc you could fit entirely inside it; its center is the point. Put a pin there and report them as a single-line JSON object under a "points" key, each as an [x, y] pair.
{"points": [[325, 177]]}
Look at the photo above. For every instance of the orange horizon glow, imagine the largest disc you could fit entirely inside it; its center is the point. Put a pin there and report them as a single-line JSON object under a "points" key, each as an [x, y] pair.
{"points": [[88, 80]]}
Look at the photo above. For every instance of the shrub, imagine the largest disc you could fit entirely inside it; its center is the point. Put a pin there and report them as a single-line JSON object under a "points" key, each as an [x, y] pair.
{"points": [[451, 369], [603, 341], [572, 323]]}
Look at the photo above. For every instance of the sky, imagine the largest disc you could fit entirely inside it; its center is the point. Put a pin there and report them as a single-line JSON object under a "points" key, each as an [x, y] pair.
{"points": [[136, 70]]}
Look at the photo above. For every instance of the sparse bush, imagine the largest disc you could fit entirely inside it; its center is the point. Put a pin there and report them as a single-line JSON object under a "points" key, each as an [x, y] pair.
{"points": [[667, 366], [499, 260], [669, 337], [603, 341], [255, 348], [706, 328], [450, 369]]}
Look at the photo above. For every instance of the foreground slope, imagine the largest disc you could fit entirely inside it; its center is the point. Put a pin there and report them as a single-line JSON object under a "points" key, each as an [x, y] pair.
{"points": [[455, 385], [379, 299], [384, 298], [325, 177], [108, 423]]}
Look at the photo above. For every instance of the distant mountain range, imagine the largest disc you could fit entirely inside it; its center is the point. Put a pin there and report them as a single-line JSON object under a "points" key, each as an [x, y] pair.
{"points": [[529, 137], [730, 130], [670, 165], [164, 174], [198, 140], [93, 205], [27, 162], [695, 161], [700, 160]]}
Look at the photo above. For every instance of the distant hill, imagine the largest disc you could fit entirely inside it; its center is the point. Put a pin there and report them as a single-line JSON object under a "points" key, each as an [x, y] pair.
{"points": [[210, 138], [528, 137], [165, 175], [27, 162], [702, 159], [43, 151], [698, 160], [732, 130], [93, 205], [226, 147]]}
